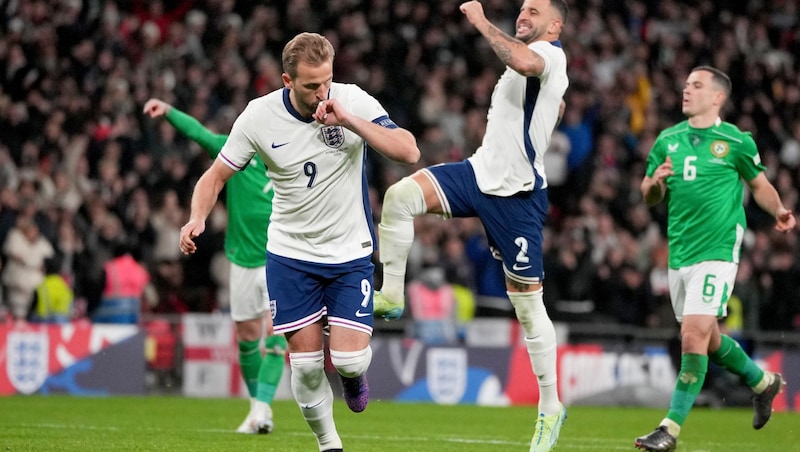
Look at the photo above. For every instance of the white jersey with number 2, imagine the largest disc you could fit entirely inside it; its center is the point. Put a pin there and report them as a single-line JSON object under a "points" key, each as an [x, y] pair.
{"points": [[320, 212]]}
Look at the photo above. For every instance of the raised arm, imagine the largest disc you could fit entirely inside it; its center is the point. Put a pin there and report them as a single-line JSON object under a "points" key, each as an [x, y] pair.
{"points": [[511, 51], [187, 125]]}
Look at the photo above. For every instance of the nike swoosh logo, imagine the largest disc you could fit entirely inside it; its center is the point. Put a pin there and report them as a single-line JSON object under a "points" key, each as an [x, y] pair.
{"points": [[362, 314], [308, 407], [520, 267], [276, 146], [672, 147]]}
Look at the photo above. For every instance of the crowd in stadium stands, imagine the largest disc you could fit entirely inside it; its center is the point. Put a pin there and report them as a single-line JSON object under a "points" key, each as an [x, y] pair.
{"points": [[80, 163]]}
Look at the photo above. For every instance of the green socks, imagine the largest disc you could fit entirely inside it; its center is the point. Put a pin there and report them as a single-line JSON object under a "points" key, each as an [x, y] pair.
{"points": [[729, 356], [250, 363], [688, 386], [732, 358], [271, 368]]}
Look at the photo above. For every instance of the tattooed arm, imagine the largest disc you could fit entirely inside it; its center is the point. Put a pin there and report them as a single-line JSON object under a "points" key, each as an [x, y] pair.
{"points": [[511, 51]]}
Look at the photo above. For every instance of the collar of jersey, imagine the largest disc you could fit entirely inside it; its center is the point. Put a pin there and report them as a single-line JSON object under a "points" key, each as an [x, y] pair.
{"points": [[288, 104]]}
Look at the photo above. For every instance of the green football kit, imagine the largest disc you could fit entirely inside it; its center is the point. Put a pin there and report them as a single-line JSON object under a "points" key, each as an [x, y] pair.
{"points": [[705, 211], [249, 204], [706, 223]]}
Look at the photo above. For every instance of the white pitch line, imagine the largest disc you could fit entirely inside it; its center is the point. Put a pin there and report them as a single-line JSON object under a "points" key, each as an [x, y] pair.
{"points": [[582, 443]]}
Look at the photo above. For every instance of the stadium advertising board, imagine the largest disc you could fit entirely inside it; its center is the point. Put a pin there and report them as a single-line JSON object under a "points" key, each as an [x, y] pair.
{"points": [[211, 357], [603, 374], [75, 358]]}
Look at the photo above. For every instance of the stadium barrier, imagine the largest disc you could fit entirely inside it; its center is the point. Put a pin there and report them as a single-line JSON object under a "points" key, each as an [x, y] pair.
{"points": [[196, 355]]}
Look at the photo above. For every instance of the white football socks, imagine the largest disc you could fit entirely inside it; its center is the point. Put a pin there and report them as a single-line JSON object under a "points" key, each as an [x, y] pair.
{"points": [[540, 340], [314, 396], [402, 202]]}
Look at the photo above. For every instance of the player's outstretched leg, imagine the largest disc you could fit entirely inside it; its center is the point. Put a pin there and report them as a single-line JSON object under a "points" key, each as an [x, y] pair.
{"points": [[657, 441], [762, 403], [546, 431], [402, 202], [387, 308]]}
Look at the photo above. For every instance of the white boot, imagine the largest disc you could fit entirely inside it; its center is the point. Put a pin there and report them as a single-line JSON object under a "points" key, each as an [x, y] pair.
{"points": [[261, 421], [246, 426]]}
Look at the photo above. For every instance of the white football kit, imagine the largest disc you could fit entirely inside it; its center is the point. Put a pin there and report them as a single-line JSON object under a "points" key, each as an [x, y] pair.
{"points": [[520, 123], [319, 213]]}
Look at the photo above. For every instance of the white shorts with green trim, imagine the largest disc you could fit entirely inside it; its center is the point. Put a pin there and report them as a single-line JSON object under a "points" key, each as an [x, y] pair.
{"points": [[249, 294], [702, 289]]}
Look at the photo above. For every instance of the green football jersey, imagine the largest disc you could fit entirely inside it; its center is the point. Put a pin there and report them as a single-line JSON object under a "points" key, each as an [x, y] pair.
{"points": [[704, 195], [248, 199]]}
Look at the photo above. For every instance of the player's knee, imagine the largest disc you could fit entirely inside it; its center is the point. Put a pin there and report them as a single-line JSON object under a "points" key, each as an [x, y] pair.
{"points": [[308, 368], [248, 330], [275, 344], [247, 347], [352, 364], [530, 310], [404, 198]]}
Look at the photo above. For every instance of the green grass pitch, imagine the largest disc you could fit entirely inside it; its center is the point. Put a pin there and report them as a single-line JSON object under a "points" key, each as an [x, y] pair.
{"points": [[66, 423]]}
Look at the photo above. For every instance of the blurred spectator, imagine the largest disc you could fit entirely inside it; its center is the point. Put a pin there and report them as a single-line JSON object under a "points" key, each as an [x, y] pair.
{"points": [[489, 284], [25, 250], [425, 251], [167, 220], [54, 296], [454, 261], [569, 269], [555, 160], [782, 307], [631, 299], [661, 315], [433, 308], [127, 292]]}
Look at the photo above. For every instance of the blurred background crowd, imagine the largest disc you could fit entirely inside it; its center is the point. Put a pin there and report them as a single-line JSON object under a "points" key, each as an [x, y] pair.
{"points": [[86, 178]]}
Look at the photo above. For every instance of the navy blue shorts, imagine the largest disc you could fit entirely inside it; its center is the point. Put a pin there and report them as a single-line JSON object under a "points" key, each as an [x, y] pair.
{"points": [[302, 292], [513, 224]]}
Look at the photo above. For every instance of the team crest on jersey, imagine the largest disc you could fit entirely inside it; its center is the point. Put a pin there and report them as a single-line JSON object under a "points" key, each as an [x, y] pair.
{"points": [[720, 148], [333, 136]]}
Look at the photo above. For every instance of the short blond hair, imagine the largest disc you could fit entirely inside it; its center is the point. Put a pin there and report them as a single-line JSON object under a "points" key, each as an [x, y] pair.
{"points": [[310, 48]]}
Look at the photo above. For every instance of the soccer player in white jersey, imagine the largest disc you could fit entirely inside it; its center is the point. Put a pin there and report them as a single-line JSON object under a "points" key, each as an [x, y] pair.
{"points": [[312, 135], [503, 184]]}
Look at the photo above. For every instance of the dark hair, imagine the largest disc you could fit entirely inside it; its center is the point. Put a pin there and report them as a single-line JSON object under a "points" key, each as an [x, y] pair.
{"points": [[311, 48], [562, 7], [121, 247], [718, 77], [53, 264]]}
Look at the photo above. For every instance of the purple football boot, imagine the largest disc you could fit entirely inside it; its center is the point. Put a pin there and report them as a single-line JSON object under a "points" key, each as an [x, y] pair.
{"points": [[356, 392]]}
